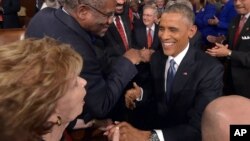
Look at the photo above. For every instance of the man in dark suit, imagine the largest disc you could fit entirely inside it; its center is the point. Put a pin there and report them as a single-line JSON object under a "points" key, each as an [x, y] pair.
{"points": [[118, 41], [145, 36], [180, 99], [77, 24], [140, 33], [118, 36], [237, 51], [137, 15], [10, 17]]}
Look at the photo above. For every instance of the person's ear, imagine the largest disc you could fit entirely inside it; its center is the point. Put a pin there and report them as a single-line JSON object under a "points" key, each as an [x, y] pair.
{"points": [[192, 31], [53, 118], [82, 11]]}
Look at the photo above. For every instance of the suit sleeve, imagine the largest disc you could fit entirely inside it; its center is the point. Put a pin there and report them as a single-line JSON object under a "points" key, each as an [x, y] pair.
{"points": [[209, 88], [104, 92], [242, 57]]}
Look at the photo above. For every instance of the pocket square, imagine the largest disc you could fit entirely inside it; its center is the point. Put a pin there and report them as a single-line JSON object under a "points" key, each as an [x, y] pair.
{"points": [[245, 37]]}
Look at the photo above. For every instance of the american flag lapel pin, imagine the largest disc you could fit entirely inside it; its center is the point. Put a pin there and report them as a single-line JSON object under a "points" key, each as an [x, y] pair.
{"points": [[185, 73], [247, 28]]}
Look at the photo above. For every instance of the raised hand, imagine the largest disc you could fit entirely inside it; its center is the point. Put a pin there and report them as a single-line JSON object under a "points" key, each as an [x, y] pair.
{"points": [[131, 96]]}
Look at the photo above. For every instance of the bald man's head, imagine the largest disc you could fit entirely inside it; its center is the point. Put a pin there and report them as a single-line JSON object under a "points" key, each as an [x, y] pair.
{"points": [[221, 113]]}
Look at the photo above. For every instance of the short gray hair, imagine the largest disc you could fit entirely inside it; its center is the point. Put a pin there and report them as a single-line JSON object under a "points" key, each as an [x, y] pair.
{"points": [[182, 9], [150, 6], [185, 2]]}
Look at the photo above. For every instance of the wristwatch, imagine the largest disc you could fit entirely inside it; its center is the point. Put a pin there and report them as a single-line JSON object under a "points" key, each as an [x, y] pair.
{"points": [[154, 136]]}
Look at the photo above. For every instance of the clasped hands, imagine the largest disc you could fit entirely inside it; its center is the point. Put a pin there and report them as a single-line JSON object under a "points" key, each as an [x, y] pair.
{"points": [[136, 56], [219, 50]]}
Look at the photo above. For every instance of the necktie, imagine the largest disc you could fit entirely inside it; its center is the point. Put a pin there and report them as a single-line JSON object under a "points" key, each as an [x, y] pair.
{"points": [[149, 38], [121, 32], [170, 78], [237, 33]]}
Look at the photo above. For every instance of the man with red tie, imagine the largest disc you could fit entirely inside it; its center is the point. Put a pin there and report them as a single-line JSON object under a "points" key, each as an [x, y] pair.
{"points": [[118, 40], [237, 51], [146, 35]]}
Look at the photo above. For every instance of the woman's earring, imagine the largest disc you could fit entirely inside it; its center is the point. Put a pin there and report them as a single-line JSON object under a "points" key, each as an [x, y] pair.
{"points": [[59, 121]]}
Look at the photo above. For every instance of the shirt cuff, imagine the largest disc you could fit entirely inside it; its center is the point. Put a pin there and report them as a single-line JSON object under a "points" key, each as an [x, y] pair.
{"points": [[160, 135], [140, 98]]}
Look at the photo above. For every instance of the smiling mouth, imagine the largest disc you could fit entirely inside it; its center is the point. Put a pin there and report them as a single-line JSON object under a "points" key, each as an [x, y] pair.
{"points": [[167, 44]]}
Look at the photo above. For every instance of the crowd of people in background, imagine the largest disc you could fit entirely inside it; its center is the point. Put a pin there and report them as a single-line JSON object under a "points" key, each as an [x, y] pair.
{"points": [[157, 67]]}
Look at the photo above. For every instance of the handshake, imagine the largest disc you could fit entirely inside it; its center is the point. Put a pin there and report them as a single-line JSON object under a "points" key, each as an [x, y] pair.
{"points": [[137, 56]]}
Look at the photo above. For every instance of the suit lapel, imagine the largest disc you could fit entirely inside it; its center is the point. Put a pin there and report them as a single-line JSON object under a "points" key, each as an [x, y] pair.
{"points": [[126, 29], [184, 72], [144, 34], [243, 32], [116, 36], [155, 43], [162, 67]]}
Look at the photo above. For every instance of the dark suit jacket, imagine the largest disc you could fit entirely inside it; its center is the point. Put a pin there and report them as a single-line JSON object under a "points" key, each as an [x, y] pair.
{"points": [[140, 38], [10, 17], [114, 48], [143, 78], [102, 94], [114, 44], [197, 82], [240, 57]]}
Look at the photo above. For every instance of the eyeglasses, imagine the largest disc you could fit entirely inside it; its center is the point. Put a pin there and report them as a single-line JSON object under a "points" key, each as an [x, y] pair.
{"points": [[108, 15]]}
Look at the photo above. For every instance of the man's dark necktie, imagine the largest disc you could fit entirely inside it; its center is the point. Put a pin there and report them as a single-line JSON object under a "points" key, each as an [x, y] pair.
{"points": [[237, 33], [170, 78], [121, 32]]}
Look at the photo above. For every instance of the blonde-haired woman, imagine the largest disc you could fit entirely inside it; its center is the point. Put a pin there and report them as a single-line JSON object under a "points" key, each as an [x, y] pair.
{"points": [[40, 90]]}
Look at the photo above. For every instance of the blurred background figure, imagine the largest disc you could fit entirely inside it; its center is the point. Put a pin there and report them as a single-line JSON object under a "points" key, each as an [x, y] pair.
{"points": [[51, 3], [160, 4], [146, 35], [10, 17], [38, 5], [222, 20], [204, 10], [235, 52], [221, 113], [39, 86], [1, 14], [137, 15]]}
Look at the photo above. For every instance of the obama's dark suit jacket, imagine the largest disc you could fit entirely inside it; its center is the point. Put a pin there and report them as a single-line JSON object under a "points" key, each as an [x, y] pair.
{"points": [[197, 82]]}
